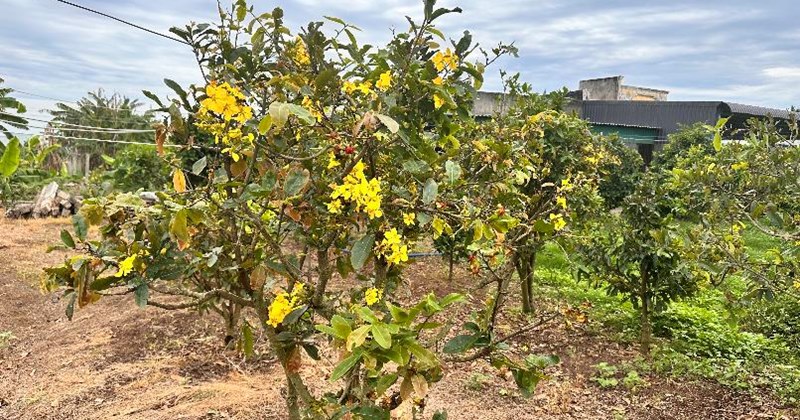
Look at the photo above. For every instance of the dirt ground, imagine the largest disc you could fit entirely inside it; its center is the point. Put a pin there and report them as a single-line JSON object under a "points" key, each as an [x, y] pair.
{"points": [[116, 361]]}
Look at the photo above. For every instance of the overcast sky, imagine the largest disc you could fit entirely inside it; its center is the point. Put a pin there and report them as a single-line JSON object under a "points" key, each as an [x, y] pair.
{"points": [[738, 50]]}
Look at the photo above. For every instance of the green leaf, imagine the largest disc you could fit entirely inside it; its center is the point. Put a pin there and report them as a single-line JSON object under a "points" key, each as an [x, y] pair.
{"points": [[141, 294], [248, 339], [361, 250], [296, 180], [384, 383], [453, 171], [66, 237], [357, 337], [9, 162], [426, 358], [280, 111], [340, 326], [279, 114], [371, 413], [440, 415], [294, 315], [381, 335], [177, 88], [198, 166], [389, 122], [70, 310], [345, 365], [460, 344], [264, 125], [312, 350], [430, 191], [79, 224], [178, 227]]}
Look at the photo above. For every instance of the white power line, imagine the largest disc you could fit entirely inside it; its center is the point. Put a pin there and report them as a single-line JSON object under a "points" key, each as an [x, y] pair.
{"points": [[97, 140], [68, 126]]}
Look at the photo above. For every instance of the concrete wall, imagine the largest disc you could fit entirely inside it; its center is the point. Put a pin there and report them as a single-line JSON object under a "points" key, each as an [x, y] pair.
{"points": [[635, 93], [612, 89], [604, 89]]}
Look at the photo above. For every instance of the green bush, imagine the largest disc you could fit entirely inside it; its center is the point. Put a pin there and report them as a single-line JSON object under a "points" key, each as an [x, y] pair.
{"points": [[776, 318], [697, 136], [133, 168], [702, 332], [621, 176]]}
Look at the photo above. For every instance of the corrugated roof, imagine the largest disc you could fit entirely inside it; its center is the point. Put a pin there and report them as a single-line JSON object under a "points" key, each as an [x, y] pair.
{"points": [[757, 111]]}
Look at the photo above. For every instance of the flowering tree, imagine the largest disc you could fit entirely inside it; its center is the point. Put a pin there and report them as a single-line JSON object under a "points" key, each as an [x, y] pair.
{"points": [[534, 170], [304, 155], [749, 183]]}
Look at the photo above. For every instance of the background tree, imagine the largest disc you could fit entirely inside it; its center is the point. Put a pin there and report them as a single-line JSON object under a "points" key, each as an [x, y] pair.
{"points": [[697, 136], [640, 254], [620, 173], [8, 107], [541, 167], [97, 109]]}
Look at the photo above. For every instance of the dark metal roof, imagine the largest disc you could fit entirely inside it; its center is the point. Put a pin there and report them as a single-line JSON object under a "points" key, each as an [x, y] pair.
{"points": [[671, 115], [756, 111], [666, 115]]}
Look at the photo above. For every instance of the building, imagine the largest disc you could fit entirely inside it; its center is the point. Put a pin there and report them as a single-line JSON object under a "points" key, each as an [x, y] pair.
{"points": [[642, 117]]}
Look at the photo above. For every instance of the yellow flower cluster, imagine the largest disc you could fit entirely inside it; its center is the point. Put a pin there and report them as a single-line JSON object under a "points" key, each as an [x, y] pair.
{"points": [[385, 81], [438, 101], [301, 56], [558, 221], [227, 102], [364, 87], [332, 162], [366, 194], [372, 296], [312, 108], [408, 218], [740, 166], [221, 112], [126, 266], [284, 303], [561, 202], [446, 60], [392, 247]]}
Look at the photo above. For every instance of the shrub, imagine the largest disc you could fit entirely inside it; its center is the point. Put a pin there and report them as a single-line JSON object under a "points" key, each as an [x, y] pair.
{"points": [[136, 167], [621, 173], [697, 136], [776, 318]]}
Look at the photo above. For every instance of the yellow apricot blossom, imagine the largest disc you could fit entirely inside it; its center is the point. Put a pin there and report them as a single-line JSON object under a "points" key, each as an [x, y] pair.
{"points": [[332, 162], [408, 218], [385, 81], [446, 60], [283, 304], [334, 206], [301, 56], [356, 189], [438, 81], [438, 101], [558, 221], [392, 247], [312, 108], [561, 202], [372, 296], [126, 266]]}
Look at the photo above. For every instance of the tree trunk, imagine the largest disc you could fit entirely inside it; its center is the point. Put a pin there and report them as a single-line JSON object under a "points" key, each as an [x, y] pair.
{"points": [[324, 271], [381, 273], [526, 266], [450, 268], [231, 313], [646, 327]]}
